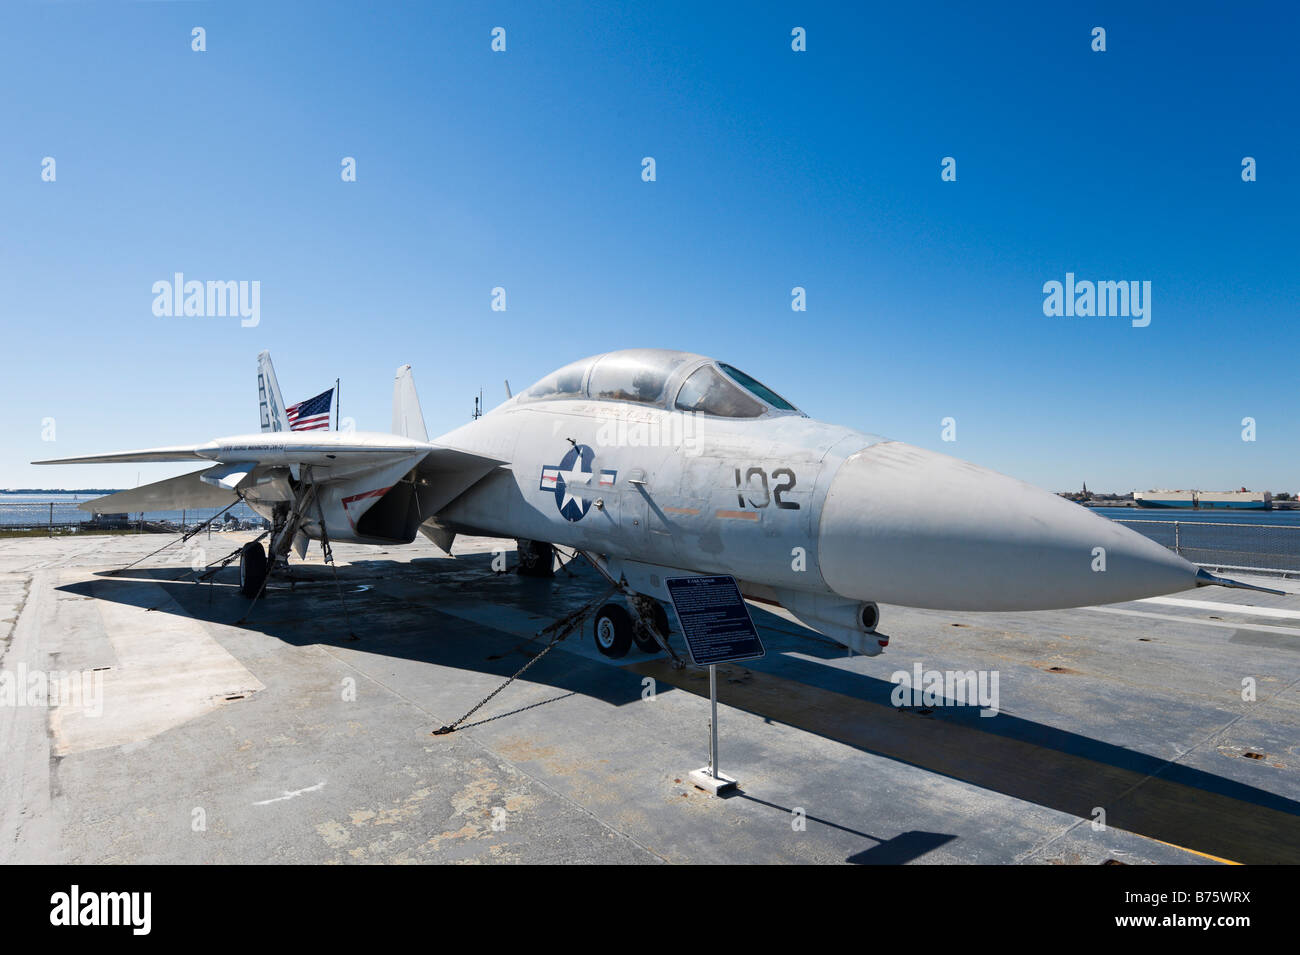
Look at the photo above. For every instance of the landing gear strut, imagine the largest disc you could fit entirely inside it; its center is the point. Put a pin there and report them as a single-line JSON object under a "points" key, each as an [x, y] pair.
{"points": [[255, 565], [650, 613], [536, 558]]}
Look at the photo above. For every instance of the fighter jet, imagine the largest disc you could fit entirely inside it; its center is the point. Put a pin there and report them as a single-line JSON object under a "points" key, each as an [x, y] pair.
{"points": [[656, 464]]}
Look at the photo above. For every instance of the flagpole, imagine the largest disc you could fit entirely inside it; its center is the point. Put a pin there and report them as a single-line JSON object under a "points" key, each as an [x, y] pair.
{"points": [[338, 403]]}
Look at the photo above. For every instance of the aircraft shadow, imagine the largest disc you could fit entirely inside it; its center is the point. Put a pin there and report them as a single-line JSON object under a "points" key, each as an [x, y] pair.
{"points": [[387, 615], [400, 608]]}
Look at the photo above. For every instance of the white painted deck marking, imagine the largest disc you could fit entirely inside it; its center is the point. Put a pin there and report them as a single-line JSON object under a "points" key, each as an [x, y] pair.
{"points": [[1225, 608], [291, 795], [1290, 631]]}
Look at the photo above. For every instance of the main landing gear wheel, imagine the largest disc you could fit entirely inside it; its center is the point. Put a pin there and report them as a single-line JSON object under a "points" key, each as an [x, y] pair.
{"points": [[536, 559], [252, 569], [613, 630], [647, 643]]}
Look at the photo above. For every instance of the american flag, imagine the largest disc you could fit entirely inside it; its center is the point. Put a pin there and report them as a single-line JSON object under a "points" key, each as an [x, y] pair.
{"points": [[312, 414]]}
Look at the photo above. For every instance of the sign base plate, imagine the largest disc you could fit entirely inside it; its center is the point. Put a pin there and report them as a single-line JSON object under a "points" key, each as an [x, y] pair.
{"points": [[719, 785]]}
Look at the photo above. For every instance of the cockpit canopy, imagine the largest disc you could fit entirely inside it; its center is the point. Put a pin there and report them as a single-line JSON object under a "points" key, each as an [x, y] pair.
{"points": [[675, 380]]}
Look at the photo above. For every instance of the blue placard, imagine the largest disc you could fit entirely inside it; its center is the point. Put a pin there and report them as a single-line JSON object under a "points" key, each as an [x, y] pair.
{"points": [[714, 619]]}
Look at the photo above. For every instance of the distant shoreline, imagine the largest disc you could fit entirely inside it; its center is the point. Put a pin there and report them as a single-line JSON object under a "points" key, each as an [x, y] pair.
{"points": [[59, 490]]}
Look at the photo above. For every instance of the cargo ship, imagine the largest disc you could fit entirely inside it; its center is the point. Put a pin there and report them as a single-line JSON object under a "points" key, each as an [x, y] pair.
{"points": [[1206, 500]]}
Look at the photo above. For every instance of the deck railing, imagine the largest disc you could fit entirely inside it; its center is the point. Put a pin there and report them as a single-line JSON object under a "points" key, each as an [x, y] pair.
{"points": [[65, 517], [1227, 545]]}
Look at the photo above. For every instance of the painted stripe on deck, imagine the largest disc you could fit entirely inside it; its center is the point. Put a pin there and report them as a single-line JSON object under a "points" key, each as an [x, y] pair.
{"points": [[1208, 605], [1197, 621]]}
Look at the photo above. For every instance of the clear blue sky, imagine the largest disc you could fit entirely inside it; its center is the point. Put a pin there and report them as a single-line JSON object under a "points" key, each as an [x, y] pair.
{"points": [[775, 169]]}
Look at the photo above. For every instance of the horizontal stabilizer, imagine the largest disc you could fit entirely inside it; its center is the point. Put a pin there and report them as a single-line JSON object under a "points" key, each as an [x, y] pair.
{"points": [[173, 494]]}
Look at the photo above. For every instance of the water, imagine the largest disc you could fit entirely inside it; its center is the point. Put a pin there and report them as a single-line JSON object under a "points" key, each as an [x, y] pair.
{"points": [[1288, 518], [34, 510]]}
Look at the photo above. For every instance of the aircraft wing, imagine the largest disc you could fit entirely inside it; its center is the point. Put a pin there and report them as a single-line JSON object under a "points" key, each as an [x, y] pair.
{"points": [[326, 476], [177, 453], [445, 472]]}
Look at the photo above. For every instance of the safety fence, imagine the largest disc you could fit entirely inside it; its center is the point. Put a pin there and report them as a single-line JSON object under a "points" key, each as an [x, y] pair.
{"points": [[1263, 548], [64, 517]]}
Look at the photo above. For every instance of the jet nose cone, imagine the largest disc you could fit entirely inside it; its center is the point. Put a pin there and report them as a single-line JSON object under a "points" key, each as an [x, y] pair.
{"points": [[904, 525]]}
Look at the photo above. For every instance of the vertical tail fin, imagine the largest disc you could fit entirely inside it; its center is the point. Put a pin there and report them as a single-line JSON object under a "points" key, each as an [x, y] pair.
{"points": [[408, 421], [269, 401]]}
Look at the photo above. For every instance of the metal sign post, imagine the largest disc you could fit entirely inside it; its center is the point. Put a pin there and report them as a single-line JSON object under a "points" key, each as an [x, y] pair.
{"points": [[713, 719], [718, 629], [710, 778]]}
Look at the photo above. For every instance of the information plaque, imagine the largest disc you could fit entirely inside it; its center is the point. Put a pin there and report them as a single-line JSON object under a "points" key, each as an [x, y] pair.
{"points": [[715, 620]]}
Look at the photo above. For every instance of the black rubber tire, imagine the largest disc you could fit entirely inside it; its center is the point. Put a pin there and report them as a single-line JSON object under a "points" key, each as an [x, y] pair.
{"points": [[650, 644], [536, 559], [613, 631], [252, 569]]}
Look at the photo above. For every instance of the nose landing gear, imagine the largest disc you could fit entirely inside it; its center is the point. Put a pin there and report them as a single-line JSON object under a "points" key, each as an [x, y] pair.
{"points": [[613, 630], [616, 629]]}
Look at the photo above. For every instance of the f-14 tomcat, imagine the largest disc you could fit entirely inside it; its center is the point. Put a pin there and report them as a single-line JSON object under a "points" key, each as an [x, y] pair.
{"points": [[657, 464]]}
